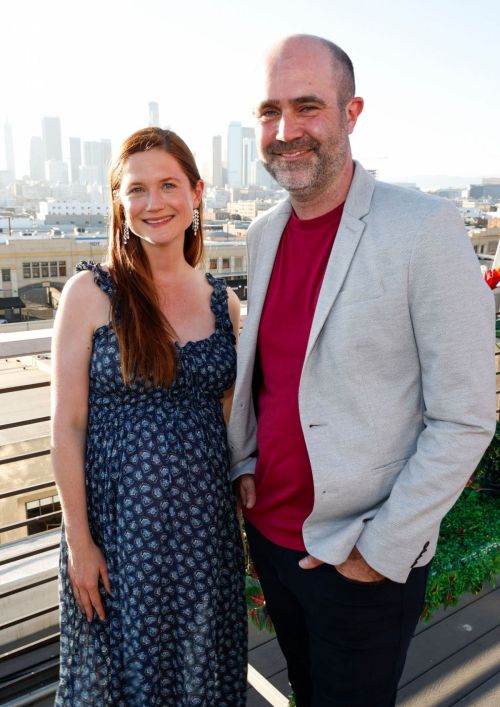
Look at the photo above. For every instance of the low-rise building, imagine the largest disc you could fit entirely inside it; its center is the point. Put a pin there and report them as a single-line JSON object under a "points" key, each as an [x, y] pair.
{"points": [[31, 265], [485, 240], [35, 267], [73, 213], [228, 259]]}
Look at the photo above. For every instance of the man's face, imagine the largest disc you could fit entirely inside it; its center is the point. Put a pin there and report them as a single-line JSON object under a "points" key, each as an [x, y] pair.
{"points": [[302, 133]]}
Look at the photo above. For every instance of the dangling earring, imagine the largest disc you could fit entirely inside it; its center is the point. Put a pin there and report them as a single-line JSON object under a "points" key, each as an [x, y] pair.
{"points": [[196, 221], [126, 234]]}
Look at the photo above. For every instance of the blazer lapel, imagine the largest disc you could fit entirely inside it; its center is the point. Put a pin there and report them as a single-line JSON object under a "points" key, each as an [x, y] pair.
{"points": [[264, 255], [349, 234]]}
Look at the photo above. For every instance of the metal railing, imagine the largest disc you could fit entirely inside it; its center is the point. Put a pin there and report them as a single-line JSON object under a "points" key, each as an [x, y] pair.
{"points": [[28, 668]]}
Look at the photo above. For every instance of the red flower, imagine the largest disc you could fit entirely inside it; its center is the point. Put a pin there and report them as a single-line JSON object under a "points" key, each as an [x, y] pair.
{"points": [[492, 277]]}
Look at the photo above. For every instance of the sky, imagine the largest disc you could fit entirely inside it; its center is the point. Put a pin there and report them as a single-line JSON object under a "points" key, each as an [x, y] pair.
{"points": [[429, 71]]}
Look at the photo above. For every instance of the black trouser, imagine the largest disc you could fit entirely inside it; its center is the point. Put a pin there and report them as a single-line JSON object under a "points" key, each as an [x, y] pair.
{"points": [[345, 642]]}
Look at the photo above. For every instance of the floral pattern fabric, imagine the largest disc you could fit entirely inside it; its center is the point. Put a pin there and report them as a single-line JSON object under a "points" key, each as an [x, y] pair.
{"points": [[161, 509]]}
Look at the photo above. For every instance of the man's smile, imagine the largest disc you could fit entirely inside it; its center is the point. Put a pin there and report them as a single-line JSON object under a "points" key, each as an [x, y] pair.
{"points": [[292, 155]]}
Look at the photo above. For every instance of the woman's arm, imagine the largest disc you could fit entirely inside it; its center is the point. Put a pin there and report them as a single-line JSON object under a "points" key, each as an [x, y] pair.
{"points": [[83, 307], [233, 304]]}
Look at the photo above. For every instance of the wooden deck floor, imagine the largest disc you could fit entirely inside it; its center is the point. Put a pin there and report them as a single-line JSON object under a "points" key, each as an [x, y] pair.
{"points": [[453, 660]]}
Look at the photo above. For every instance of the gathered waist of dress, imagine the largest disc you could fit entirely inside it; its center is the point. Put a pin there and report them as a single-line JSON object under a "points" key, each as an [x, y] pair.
{"points": [[125, 402]]}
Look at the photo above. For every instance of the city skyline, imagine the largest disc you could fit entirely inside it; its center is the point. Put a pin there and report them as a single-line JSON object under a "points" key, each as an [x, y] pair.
{"points": [[427, 71], [431, 181]]}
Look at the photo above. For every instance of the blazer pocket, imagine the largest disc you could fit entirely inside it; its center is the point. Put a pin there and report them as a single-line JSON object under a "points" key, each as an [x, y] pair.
{"points": [[351, 296], [385, 467]]}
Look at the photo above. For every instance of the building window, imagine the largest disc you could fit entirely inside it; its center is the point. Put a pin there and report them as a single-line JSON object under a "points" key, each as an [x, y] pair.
{"points": [[226, 264], [238, 262], [492, 247], [62, 268], [45, 269], [26, 271], [41, 507], [35, 269], [53, 268], [213, 264], [6, 275]]}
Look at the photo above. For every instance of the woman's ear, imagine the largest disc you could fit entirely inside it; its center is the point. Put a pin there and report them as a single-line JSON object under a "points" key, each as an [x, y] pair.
{"points": [[198, 193]]}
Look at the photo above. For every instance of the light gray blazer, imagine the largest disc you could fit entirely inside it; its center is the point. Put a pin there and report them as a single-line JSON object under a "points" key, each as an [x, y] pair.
{"points": [[397, 391]]}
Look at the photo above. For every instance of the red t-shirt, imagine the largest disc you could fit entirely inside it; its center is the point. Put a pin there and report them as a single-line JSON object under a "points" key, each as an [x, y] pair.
{"points": [[283, 476]]}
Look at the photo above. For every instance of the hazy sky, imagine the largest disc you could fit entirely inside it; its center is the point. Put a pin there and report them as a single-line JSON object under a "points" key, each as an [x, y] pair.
{"points": [[429, 71]]}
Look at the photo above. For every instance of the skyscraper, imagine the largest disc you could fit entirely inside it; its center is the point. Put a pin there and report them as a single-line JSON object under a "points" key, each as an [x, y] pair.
{"points": [[51, 136], [248, 155], [154, 115], [97, 155], [57, 172], [37, 169], [217, 176], [234, 154], [105, 163], [75, 158], [260, 177], [9, 150]]}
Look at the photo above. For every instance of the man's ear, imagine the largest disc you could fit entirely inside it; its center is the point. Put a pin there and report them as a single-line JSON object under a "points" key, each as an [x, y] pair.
{"points": [[353, 110]]}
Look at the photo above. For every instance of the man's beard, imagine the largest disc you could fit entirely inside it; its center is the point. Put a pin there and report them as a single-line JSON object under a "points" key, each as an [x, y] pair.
{"points": [[312, 174]]}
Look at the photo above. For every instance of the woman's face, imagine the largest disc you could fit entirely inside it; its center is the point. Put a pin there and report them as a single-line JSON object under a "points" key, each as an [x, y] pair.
{"points": [[157, 197]]}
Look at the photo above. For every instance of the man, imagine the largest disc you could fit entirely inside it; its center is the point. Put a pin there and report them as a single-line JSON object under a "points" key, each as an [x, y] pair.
{"points": [[365, 392]]}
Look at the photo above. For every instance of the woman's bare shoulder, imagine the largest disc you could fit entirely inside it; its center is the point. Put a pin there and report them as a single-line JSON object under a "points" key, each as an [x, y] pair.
{"points": [[85, 299]]}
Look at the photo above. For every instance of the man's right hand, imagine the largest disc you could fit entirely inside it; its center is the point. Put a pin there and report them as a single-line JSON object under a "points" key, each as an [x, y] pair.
{"points": [[244, 488]]}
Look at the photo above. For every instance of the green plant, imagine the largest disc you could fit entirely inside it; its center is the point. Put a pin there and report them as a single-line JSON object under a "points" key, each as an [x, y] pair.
{"points": [[488, 470], [468, 551], [256, 605]]}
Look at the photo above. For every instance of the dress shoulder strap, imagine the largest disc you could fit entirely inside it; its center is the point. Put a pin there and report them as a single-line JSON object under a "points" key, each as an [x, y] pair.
{"points": [[219, 305]]}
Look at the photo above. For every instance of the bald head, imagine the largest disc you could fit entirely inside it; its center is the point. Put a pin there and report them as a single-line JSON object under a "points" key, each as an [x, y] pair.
{"points": [[341, 64], [305, 115]]}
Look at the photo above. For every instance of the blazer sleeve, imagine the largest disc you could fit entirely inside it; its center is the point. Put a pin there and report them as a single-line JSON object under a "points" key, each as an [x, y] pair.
{"points": [[452, 313], [242, 432]]}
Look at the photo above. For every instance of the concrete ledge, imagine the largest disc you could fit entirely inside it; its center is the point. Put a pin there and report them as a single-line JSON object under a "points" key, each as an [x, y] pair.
{"points": [[24, 343], [30, 325]]}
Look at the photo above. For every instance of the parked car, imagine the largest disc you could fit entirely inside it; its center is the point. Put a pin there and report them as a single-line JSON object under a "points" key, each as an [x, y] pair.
{"points": [[486, 260]]}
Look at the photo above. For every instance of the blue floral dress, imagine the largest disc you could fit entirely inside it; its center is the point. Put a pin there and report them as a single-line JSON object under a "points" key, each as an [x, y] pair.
{"points": [[161, 509]]}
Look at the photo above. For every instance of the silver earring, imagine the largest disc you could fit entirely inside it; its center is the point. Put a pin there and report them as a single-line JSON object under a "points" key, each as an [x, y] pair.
{"points": [[196, 221], [126, 234]]}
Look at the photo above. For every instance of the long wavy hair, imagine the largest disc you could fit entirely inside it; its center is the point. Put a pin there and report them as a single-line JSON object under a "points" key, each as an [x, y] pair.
{"points": [[146, 339]]}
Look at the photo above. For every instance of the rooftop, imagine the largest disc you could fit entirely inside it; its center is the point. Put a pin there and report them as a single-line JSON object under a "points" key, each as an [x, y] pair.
{"points": [[453, 660]]}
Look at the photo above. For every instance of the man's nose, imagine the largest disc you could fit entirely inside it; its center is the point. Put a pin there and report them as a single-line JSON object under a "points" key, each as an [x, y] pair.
{"points": [[288, 128]]}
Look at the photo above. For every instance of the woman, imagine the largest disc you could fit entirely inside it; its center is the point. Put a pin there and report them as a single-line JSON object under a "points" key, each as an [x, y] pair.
{"points": [[152, 604]]}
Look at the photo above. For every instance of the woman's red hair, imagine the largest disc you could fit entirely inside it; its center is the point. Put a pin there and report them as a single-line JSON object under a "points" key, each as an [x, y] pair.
{"points": [[145, 337]]}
